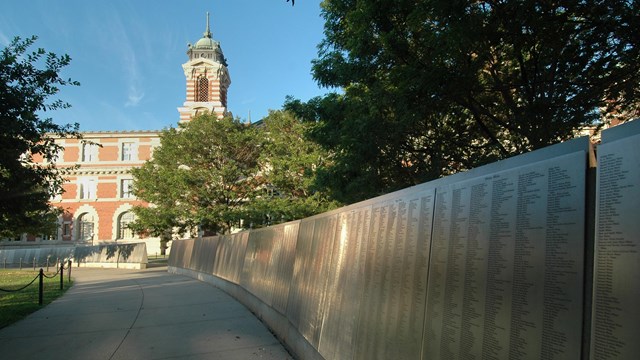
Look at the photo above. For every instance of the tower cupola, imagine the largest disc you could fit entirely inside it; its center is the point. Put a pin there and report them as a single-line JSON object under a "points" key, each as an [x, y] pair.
{"points": [[207, 78], [207, 48]]}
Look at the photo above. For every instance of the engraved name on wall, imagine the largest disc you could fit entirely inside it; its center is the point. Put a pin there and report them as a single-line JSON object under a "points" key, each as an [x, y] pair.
{"points": [[616, 312], [506, 272]]}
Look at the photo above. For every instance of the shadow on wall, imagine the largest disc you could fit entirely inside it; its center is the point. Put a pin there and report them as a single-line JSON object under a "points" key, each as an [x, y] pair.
{"points": [[112, 254], [109, 255]]}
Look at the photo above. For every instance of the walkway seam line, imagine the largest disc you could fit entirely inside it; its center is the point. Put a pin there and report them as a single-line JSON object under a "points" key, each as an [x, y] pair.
{"points": [[133, 323]]}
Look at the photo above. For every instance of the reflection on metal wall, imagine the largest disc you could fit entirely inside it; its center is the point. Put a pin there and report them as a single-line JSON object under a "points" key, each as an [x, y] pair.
{"points": [[134, 253], [506, 275], [204, 254], [311, 274], [616, 290], [484, 264], [229, 258], [10, 257], [344, 285], [267, 264]]}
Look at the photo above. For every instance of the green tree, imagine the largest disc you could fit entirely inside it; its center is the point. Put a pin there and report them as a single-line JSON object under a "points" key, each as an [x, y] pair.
{"points": [[201, 176], [27, 82], [433, 87], [289, 162]]}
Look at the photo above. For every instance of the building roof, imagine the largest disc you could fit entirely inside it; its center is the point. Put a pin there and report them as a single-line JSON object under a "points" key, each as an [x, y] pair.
{"points": [[207, 44]]}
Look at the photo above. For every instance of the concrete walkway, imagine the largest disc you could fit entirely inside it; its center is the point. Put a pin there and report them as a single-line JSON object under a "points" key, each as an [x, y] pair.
{"points": [[140, 314]]}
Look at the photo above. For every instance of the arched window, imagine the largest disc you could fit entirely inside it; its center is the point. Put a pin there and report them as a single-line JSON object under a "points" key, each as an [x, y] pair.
{"points": [[202, 89], [124, 232], [85, 227]]}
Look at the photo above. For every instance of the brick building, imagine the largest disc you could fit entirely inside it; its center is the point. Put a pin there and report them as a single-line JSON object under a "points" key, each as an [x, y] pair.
{"points": [[97, 198]]}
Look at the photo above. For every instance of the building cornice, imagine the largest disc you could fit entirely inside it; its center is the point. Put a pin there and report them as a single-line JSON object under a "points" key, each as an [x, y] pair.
{"points": [[99, 171]]}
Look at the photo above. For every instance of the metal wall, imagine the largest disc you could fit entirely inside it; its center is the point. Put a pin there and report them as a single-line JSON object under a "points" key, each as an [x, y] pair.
{"points": [[133, 253], [39, 256], [483, 264], [616, 290]]}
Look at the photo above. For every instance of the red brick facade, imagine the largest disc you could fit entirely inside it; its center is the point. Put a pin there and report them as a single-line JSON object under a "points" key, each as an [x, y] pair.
{"points": [[97, 198]]}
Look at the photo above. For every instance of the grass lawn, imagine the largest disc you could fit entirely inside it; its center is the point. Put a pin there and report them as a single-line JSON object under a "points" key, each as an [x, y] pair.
{"points": [[17, 305]]}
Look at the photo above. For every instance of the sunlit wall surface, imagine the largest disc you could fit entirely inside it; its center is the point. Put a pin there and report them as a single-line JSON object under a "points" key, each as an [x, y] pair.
{"points": [[484, 264]]}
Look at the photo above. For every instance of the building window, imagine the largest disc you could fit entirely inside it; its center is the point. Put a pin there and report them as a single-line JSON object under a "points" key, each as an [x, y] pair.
{"points": [[126, 188], [128, 151], [85, 227], [66, 229], [87, 188], [202, 89], [126, 218], [89, 152]]}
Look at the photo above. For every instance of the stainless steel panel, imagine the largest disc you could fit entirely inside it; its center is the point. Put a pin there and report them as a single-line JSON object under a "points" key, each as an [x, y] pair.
{"points": [[176, 255], [194, 261], [186, 245], [282, 265], [256, 276], [11, 257], [297, 302], [189, 259], [383, 286], [412, 308], [506, 272], [229, 256], [268, 263], [392, 309], [201, 259], [209, 249], [369, 313], [616, 315], [222, 257], [354, 284], [311, 274], [344, 287], [505, 268], [236, 263]]}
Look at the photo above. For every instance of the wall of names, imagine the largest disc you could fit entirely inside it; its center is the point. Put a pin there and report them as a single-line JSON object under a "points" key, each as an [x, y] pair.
{"points": [[493, 263]]}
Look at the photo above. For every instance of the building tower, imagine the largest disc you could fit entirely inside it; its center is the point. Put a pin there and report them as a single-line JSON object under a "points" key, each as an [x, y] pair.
{"points": [[207, 79]]}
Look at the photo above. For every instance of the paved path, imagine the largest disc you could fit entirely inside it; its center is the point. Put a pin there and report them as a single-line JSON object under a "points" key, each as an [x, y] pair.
{"points": [[140, 314]]}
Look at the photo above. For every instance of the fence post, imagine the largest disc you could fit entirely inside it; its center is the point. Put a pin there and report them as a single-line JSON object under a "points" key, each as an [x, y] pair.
{"points": [[20, 263], [48, 263], [61, 275], [34, 263], [40, 287], [69, 264]]}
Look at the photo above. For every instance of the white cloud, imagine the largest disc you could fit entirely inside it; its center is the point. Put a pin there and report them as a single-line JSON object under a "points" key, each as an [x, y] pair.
{"points": [[135, 96]]}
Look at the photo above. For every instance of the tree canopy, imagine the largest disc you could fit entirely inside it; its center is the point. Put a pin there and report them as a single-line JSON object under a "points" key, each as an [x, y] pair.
{"points": [[217, 175], [200, 176], [28, 80], [289, 163], [433, 87]]}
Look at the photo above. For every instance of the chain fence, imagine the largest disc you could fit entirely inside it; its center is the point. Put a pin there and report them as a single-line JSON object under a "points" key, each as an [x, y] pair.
{"points": [[41, 276]]}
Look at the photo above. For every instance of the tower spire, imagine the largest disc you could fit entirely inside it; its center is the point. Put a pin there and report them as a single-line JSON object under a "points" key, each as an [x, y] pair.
{"points": [[207, 32]]}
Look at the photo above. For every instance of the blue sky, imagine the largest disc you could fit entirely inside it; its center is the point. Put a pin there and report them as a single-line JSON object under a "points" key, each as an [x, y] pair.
{"points": [[127, 54]]}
